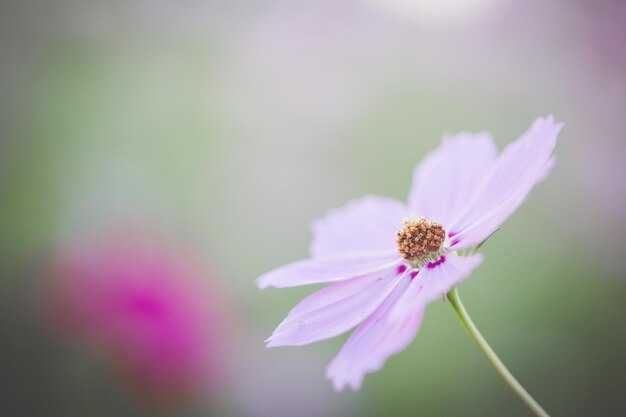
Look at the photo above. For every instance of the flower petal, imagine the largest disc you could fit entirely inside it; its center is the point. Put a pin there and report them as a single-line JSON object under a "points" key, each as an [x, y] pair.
{"points": [[335, 309], [328, 269], [377, 338], [450, 175], [368, 223], [434, 281], [520, 166]]}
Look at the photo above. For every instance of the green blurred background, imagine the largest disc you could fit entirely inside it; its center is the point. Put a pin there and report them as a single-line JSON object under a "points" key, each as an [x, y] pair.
{"points": [[229, 126]]}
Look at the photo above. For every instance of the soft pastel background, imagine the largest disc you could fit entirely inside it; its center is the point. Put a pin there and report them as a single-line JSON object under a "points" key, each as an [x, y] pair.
{"points": [[219, 130]]}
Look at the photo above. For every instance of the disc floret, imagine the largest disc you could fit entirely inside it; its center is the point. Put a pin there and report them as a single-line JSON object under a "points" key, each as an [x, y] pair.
{"points": [[420, 240]]}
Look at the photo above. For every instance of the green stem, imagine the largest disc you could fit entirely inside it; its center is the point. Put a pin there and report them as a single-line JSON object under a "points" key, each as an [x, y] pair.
{"points": [[491, 356]]}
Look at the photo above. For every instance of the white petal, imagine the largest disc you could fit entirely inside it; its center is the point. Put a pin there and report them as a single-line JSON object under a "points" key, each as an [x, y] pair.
{"points": [[335, 309], [447, 177], [328, 269], [375, 340], [366, 224], [434, 281], [518, 169]]}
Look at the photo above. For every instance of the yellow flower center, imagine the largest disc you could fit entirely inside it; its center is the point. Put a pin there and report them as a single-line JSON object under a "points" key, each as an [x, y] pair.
{"points": [[420, 239]]}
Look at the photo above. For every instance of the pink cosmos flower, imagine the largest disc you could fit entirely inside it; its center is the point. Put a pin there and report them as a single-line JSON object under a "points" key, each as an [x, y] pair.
{"points": [[383, 271], [142, 304]]}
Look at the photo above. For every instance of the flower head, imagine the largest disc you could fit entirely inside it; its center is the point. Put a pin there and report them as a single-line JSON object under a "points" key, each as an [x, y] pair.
{"points": [[383, 271], [141, 303]]}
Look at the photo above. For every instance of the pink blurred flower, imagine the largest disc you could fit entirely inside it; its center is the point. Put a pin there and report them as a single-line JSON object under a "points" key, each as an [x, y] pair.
{"points": [[383, 278], [142, 304]]}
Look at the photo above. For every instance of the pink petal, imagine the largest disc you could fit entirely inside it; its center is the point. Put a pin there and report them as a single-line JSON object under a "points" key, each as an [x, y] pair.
{"points": [[518, 169], [368, 223], [377, 338], [335, 309], [329, 269], [450, 175], [434, 281]]}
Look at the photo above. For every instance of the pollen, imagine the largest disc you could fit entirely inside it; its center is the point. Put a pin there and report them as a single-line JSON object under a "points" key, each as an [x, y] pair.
{"points": [[419, 239]]}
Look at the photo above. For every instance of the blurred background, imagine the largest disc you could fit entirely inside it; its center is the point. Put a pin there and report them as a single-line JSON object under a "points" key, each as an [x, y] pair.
{"points": [[158, 156]]}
